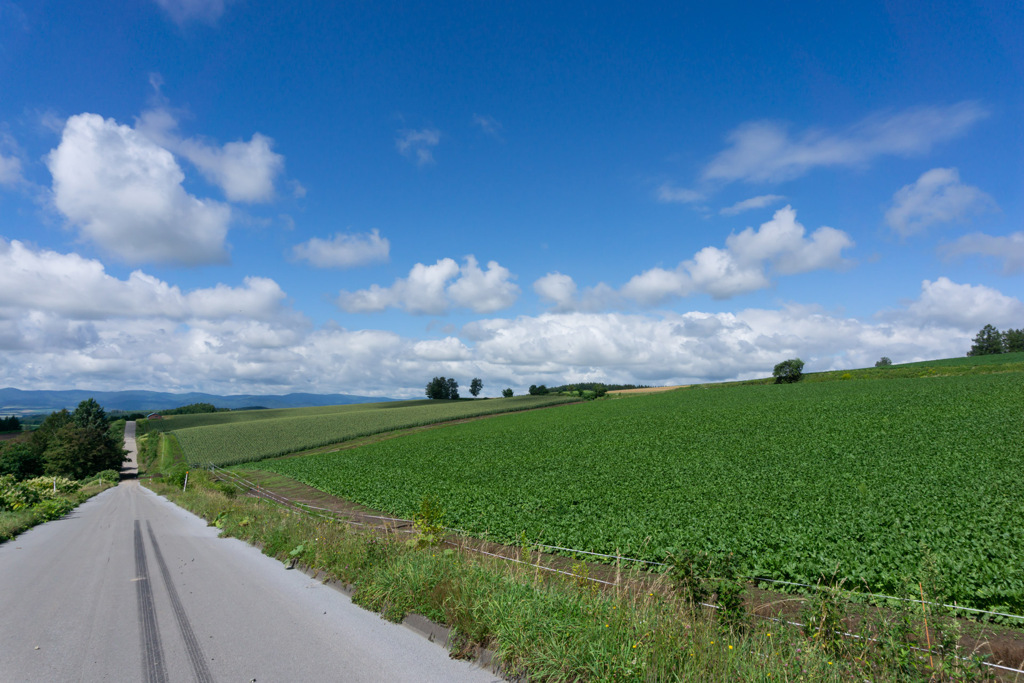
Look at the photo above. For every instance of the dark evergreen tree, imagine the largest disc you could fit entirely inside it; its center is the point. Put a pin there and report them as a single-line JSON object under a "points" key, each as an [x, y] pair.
{"points": [[988, 341], [1013, 341]]}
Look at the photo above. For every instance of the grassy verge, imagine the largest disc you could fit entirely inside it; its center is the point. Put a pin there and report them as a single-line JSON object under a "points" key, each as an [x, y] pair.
{"points": [[13, 522], [551, 628]]}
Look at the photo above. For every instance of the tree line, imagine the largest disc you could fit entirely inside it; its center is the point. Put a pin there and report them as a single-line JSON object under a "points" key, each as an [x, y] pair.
{"points": [[10, 424], [447, 388], [75, 445], [990, 340]]}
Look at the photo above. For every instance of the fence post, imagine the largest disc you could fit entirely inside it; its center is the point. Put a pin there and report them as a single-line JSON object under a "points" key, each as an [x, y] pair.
{"points": [[186, 481]]}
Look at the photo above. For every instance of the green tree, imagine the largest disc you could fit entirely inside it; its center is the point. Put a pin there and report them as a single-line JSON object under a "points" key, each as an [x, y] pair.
{"points": [[453, 389], [475, 386], [788, 371], [1013, 341], [90, 415], [42, 436], [10, 424], [437, 388], [538, 390], [988, 341], [507, 393], [17, 459], [883, 362]]}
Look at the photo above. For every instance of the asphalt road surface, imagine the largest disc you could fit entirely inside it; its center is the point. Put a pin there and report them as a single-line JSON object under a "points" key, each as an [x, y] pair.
{"points": [[130, 587]]}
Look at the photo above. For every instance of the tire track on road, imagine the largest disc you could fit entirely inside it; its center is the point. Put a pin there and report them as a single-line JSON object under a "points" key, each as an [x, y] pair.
{"points": [[195, 652], [153, 668]]}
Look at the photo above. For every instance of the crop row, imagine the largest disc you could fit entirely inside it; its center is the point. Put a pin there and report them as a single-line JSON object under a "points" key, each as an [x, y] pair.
{"points": [[264, 435], [870, 481]]}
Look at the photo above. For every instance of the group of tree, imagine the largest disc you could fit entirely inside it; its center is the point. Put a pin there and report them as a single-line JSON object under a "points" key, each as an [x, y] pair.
{"points": [[539, 390], [10, 424], [448, 388], [990, 340], [75, 444]]}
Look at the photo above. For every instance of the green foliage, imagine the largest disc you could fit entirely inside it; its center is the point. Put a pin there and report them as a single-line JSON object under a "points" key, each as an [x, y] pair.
{"points": [[175, 475], [428, 524], [507, 393], [19, 460], [78, 444], [987, 342], [443, 388], [15, 495], [10, 424], [788, 371], [289, 431], [475, 386], [1013, 341], [883, 362], [538, 390], [854, 475], [191, 409]]}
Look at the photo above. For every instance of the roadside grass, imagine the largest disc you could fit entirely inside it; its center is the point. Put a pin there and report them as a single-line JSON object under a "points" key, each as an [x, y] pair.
{"points": [[549, 628], [14, 522]]}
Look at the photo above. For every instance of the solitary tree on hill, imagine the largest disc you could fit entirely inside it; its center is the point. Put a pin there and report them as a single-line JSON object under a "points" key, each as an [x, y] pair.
{"points": [[788, 371], [475, 386]]}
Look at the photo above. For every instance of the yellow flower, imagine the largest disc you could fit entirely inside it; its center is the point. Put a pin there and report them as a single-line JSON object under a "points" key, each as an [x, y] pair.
{"points": [[730, 647]]}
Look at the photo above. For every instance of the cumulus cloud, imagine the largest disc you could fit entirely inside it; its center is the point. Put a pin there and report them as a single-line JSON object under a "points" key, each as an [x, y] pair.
{"points": [[344, 250], [561, 291], [780, 245], [77, 288], [1009, 249], [418, 145], [937, 196], [766, 151], [184, 11], [433, 289], [125, 193], [244, 171], [752, 203], [962, 306], [64, 321]]}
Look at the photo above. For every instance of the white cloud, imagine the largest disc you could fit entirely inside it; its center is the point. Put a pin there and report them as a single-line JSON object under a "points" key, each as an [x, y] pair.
{"points": [[764, 151], [418, 145], [126, 195], [752, 203], [557, 288], [427, 290], [483, 291], [937, 196], [344, 250], [489, 125], [964, 307], [77, 288], [1009, 249], [779, 244], [10, 170], [245, 171], [184, 11], [670, 194], [65, 322]]}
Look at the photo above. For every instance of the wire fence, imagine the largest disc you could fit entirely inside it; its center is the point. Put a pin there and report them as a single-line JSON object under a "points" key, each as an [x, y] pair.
{"points": [[400, 525]]}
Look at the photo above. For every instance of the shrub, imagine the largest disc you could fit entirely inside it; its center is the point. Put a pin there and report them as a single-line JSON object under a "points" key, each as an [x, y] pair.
{"points": [[883, 362], [788, 371]]}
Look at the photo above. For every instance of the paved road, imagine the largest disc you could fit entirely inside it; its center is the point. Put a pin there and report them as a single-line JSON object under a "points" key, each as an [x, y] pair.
{"points": [[130, 587]]}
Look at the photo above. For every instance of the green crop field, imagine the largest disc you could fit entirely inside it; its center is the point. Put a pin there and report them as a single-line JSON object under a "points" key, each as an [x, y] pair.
{"points": [[865, 480], [233, 437]]}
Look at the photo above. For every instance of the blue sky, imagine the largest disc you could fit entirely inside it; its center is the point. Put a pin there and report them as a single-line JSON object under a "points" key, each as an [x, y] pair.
{"points": [[238, 196]]}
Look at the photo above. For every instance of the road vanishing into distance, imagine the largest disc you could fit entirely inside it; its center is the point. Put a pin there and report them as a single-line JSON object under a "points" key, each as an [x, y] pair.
{"points": [[130, 587]]}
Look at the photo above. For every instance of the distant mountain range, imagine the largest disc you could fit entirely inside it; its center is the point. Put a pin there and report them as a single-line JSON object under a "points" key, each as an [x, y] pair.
{"points": [[17, 401]]}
